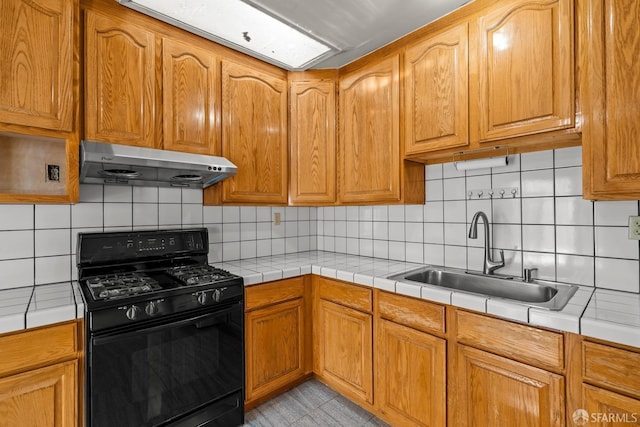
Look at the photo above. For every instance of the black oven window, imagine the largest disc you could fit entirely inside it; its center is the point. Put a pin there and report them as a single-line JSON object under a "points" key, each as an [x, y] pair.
{"points": [[149, 377]]}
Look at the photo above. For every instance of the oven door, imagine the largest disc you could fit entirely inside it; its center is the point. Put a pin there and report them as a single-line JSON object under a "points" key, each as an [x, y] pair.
{"points": [[170, 373]]}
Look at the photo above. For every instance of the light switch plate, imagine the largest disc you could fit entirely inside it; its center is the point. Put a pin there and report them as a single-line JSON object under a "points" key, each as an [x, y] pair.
{"points": [[634, 227]]}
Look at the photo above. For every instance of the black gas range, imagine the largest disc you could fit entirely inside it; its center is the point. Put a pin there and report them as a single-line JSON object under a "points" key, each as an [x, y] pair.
{"points": [[165, 334]]}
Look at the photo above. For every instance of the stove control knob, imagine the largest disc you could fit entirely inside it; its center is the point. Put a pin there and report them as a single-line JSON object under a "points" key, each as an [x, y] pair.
{"points": [[132, 312], [202, 298], [151, 308], [216, 295]]}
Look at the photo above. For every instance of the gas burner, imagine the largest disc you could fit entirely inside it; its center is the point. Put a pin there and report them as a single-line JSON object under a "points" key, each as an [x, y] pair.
{"points": [[199, 275], [113, 286]]}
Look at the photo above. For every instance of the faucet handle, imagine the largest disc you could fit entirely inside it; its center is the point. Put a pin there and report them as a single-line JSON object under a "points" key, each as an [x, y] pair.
{"points": [[528, 274]]}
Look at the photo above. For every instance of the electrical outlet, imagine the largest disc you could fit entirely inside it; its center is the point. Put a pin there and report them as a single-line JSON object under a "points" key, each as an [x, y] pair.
{"points": [[53, 173], [276, 218], [634, 227]]}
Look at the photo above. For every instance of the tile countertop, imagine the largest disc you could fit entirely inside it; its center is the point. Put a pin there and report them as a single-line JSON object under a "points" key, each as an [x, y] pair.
{"points": [[609, 315], [599, 313], [32, 306]]}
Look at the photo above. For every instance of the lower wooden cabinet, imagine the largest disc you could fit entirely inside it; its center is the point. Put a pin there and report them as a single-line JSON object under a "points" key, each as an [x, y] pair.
{"points": [[496, 391], [274, 350], [39, 377], [605, 408], [344, 353], [410, 376], [45, 397], [611, 387], [276, 338]]}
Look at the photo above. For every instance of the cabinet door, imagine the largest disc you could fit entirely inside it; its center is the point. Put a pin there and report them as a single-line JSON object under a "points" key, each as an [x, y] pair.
{"points": [[119, 82], [274, 347], [190, 83], [43, 397], [36, 63], [369, 159], [410, 376], [344, 350], [254, 134], [524, 68], [609, 93], [313, 142], [436, 92], [608, 409], [495, 391]]}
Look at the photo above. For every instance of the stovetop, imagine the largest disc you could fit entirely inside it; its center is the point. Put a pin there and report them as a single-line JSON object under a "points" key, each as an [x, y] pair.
{"points": [[115, 286], [112, 286]]}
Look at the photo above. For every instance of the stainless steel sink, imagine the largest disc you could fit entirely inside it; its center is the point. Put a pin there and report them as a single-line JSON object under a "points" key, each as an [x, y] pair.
{"points": [[539, 293]]}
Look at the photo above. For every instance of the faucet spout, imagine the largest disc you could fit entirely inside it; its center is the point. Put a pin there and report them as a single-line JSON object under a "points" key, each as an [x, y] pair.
{"points": [[489, 264]]}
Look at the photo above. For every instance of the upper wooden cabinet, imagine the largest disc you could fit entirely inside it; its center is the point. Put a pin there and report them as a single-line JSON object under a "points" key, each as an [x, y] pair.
{"points": [[254, 134], [190, 84], [609, 93], [120, 96], [522, 52], [313, 142], [36, 63], [369, 150], [437, 92]]}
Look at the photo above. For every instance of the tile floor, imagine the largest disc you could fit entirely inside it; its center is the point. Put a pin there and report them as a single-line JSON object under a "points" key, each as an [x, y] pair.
{"points": [[311, 404]]}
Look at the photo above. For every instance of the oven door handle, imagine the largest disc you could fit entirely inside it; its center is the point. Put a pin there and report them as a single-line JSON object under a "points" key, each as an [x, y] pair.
{"points": [[203, 321]]}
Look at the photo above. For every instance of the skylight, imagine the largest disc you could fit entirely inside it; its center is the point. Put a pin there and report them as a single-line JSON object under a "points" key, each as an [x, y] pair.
{"points": [[238, 25]]}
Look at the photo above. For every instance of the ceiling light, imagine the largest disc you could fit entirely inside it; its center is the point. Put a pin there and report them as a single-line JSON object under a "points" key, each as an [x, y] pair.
{"points": [[241, 26]]}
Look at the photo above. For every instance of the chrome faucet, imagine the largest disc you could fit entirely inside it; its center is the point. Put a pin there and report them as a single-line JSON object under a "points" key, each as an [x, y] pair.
{"points": [[489, 264]]}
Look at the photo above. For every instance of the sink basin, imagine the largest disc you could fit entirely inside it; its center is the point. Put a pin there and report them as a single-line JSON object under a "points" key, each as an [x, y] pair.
{"points": [[539, 293]]}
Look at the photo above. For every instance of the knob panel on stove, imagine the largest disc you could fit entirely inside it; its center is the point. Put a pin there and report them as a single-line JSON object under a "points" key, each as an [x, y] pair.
{"points": [[133, 312], [151, 308], [202, 298]]}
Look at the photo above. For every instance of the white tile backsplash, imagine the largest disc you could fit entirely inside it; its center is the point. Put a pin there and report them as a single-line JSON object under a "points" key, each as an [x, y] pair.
{"points": [[568, 181], [119, 215], [118, 194], [454, 189], [145, 195], [617, 274], [16, 244], [536, 160], [613, 242], [537, 183], [615, 213], [52, 242], [52, 216], [547, 225], [538, 211], [574, 211]]}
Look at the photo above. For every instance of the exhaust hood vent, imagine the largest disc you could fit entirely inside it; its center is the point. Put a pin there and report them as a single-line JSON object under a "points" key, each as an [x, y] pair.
{"points": [[125, 165]]}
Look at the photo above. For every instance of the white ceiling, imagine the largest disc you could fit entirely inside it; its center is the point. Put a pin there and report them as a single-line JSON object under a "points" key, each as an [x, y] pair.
{"points": [[357, 27]]}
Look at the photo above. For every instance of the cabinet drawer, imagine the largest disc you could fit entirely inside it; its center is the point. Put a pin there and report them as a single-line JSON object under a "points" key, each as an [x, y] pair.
{"points": [[272, 293], [27, 350], [347, 295], [611, 367], [411, 312], [520, 342]]}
